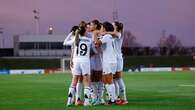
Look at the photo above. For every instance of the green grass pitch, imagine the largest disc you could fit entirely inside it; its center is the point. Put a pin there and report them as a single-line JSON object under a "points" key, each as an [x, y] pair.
{"points": [[145, 91]]}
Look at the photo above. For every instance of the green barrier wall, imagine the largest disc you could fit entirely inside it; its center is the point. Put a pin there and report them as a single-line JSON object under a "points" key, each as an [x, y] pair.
{"points": [[129, 61]]}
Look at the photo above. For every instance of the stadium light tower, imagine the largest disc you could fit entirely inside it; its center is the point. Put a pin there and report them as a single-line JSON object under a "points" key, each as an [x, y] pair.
{"points": [[37, 17], [2, 39], [115, 11]]}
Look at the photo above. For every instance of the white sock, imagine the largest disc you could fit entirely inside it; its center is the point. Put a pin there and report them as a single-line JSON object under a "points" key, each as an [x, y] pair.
{"points": [[78, 93], [122, 88], [111, 91], [87, 94], [71, 94], [117, 88], [106, 94]]}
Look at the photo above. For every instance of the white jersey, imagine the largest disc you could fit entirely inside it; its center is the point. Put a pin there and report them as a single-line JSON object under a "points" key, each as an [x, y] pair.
{"points": [[82, 51], [109, 53], [118, 45]]}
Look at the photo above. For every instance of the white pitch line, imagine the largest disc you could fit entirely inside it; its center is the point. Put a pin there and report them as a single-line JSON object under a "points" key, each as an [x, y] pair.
{"points": [[185, 85]]}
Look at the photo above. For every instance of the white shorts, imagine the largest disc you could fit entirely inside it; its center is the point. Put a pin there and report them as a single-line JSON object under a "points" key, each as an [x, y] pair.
{"points": [[109, 68], [81, 68], [119, 65]]}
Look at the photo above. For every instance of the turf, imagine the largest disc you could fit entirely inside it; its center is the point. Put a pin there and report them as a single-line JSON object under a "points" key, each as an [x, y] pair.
{"points": [[146, 91]]}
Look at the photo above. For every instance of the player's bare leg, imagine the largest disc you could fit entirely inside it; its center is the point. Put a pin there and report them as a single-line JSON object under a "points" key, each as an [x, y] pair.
{"points": [[78, 93]]}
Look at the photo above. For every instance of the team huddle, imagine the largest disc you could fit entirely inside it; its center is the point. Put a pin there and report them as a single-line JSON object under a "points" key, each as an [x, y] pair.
{"points": [[96, 63]]}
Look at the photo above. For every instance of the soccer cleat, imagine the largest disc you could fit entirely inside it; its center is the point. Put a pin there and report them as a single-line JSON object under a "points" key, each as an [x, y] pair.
{"points": [[78, 103], [118, 101], [124, 102], [111, 102]]}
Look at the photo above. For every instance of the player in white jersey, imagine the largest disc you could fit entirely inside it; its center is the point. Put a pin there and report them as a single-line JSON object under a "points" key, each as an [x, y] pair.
{"points": [[109, 60], [118, 76], [81, 62], [118, 81], [96, 67], [69, 42]]}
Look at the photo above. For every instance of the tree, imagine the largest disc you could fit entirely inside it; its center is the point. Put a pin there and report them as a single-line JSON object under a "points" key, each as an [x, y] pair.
{"points": [[169, 45], [173, 42], [129, 40]]}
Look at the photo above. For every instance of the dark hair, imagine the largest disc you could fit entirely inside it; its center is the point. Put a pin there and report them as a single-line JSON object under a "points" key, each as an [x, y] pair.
{"points": [[83, 23], [82, 30], [73, 29], [97, 23], [88, 23], [108, 26], [119, 26]]}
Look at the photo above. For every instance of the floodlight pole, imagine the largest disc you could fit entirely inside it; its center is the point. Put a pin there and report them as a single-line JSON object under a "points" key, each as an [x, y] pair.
{"points": [[37, 17], [2, 38], [115, 11]]}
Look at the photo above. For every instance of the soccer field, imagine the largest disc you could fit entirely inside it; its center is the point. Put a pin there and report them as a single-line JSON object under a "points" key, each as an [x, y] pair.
{"points": [[145, 91]]}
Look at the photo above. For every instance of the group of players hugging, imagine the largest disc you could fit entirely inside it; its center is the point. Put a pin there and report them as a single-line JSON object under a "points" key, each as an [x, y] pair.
{"points": [[96, 64]]}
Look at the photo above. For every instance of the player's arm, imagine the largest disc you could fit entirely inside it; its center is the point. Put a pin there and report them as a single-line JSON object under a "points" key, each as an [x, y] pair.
{"points": [[68, 40], [100, 41], [71, 57], [114, 34], [97, 39], [97, 33]]}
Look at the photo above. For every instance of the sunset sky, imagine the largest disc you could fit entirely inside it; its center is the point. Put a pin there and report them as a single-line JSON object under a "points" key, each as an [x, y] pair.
{"points": [[144, 18]]}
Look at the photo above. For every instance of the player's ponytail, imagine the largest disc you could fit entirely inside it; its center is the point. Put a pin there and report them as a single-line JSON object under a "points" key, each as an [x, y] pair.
{"points": [[80, 32]]}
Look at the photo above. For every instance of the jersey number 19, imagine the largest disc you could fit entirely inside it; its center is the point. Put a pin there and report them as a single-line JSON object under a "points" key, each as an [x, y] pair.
{"points": [[82, 49]]}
